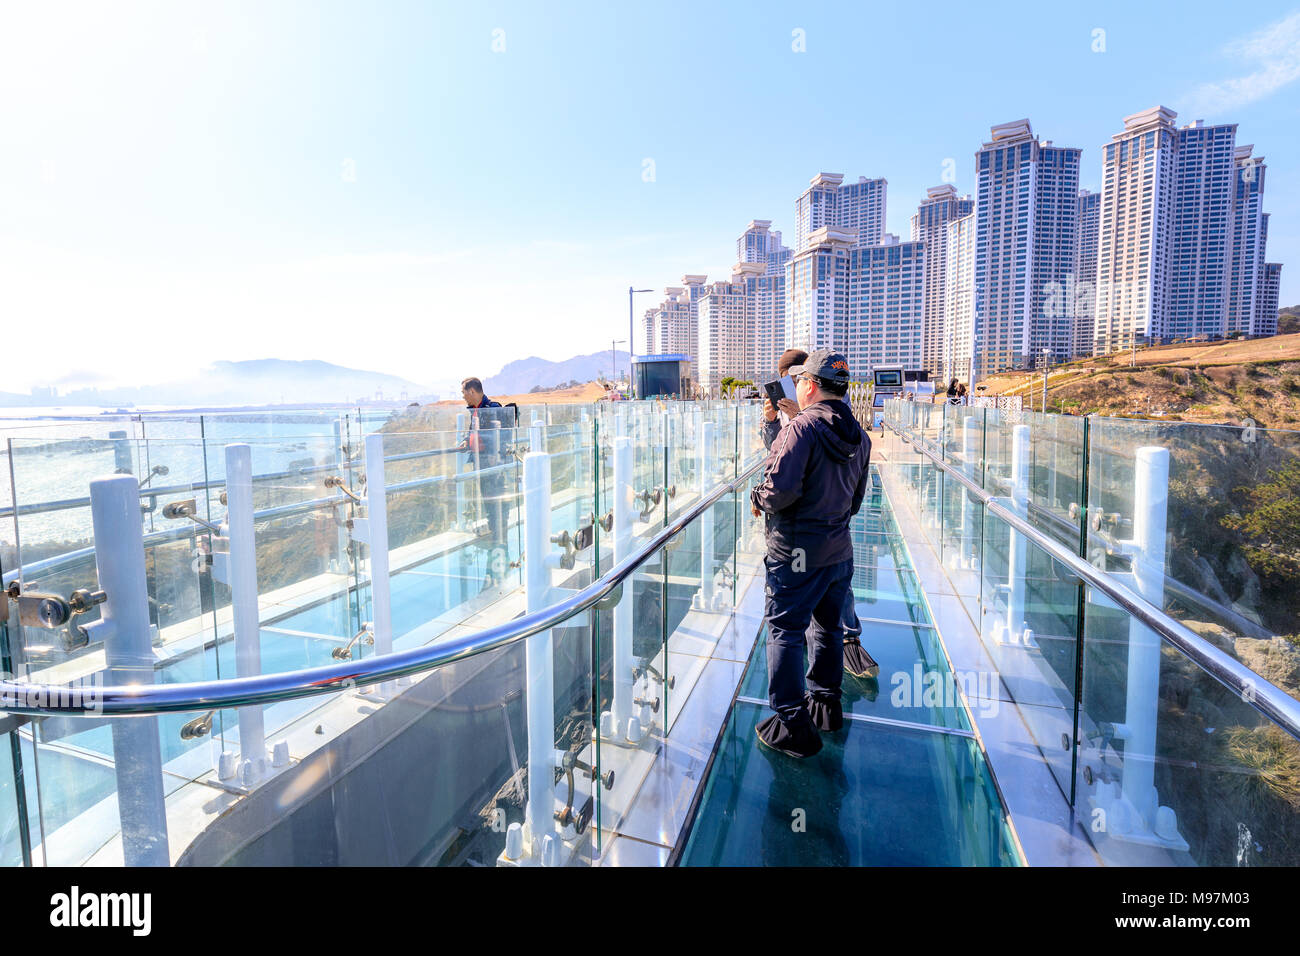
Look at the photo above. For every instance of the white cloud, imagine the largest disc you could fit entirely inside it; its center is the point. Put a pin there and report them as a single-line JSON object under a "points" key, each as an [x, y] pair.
{"points": [[1274, 55]]}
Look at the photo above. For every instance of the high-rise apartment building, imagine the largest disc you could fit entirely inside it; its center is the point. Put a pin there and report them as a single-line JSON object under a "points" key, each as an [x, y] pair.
{"points": [[759, 243], [1082, 300], [1181, 251], [767, 306], [1202, 230], [672, 326], [829, 201], [1270, 287], [885, 305], [960, 298], [1135, 235], [816, 290], [1026, 212], [1249, 235], [862, 207], [722, 347], [930, 226]]}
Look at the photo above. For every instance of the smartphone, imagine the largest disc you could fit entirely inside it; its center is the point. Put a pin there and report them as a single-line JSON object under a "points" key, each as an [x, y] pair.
{"points": [[774, 392]]}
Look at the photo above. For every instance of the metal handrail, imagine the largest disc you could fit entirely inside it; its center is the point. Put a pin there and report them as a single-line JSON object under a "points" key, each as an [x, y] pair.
{"points": [[143, 699], [1267, 698]]}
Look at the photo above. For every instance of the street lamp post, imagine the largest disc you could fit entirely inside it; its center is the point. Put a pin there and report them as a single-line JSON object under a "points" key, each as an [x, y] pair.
{"points": [[613, 362], [1047, 364], [631, 335]]}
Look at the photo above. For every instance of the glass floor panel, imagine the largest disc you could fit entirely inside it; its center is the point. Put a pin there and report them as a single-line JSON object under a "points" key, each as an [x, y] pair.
{"points": [[913, 684], [876, 795], [901, 784]]}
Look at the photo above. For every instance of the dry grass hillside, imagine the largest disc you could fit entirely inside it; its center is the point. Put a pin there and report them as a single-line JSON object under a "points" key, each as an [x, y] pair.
{"points": [[578, 394], [1203, 382]]}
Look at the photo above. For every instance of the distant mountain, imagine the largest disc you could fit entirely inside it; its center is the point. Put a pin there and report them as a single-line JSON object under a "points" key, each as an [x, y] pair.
{"points": [[523, 375], [253, 382]]}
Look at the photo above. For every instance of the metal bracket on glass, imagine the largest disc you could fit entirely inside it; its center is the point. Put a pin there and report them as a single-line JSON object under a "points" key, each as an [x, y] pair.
{"points": [[198, 727], [188, 509], [344, 653], [156, 470], [568, 554], [566, 815], [336, 481], [648, 668], [50, 611], [649, 499]]}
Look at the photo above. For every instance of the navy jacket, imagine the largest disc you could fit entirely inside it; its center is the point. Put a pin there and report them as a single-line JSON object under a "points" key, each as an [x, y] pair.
{"points": [[813, 484], [484, 430]]}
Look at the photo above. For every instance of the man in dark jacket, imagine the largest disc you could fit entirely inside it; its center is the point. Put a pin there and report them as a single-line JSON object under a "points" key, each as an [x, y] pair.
{"points": [[813, 484], [856, 659]]}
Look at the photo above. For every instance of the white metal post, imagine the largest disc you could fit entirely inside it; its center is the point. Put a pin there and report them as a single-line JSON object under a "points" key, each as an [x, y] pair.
{"points": [[583, 444], [1014, 630], [374, 532], [969, 454], [128, 651], [1051, 472], [537, 435], [242, 578], [623, 723], [476, 455], [457, 471], [1150, 503], [539, 665], [341, 456], [704, 464]]}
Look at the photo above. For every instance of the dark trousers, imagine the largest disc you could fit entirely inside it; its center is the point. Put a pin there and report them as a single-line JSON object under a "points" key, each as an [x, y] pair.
{"points": [[805, 607], [492, 488]]}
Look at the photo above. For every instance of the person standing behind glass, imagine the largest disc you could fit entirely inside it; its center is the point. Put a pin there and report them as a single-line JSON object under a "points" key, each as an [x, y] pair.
{"points": [[483, 445]]}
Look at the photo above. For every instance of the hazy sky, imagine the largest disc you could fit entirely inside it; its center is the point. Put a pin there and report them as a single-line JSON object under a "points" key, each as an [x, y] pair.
{"points": [[432, 190]]}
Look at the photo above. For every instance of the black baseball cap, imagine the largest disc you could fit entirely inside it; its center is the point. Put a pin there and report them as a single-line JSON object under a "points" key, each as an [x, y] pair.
{"points": [[825, 364]]}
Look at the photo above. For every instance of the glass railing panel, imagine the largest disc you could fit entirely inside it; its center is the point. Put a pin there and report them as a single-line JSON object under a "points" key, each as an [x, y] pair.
{"points": [[445, 562], [1229, 529], [1030, 625], [1174, 768], [439, 775], [53, 529], [700, 588], [962, 522]]}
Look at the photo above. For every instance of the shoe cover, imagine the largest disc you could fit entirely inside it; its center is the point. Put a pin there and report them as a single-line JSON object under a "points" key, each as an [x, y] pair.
{"points": [[799, 740], [857, 661]]}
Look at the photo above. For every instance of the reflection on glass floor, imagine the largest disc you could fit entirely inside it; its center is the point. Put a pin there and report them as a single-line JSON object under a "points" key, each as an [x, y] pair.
{"points": [[902, 784]]}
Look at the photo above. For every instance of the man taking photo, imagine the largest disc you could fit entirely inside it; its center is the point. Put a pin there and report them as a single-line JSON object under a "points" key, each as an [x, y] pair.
{"points": [[857, 661], [813, 484]]}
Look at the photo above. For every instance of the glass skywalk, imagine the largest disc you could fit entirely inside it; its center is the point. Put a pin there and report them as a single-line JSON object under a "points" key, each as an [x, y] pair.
{"points": [[902, 783]]}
